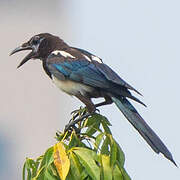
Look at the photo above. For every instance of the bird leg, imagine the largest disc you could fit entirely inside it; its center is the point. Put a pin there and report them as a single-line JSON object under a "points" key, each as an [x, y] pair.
{"points": [[77, 113], [91, 108]]}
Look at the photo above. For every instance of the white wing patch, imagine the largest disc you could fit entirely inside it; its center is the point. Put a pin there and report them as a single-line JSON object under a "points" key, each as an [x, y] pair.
{"points": [[56, 52], [87, 57], [62, 53], [95, 58]]}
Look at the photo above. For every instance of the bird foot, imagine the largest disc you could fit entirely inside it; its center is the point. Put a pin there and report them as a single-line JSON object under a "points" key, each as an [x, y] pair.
{"points": [[97, 110], [82, 114], [80, 110], [71, 125]]}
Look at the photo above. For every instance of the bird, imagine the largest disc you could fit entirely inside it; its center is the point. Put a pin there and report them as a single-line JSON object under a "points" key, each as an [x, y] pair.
{"points": [[84, 75]]}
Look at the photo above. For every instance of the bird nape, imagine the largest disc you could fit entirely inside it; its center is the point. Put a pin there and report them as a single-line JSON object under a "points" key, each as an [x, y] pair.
{"points": [[83, 75]]}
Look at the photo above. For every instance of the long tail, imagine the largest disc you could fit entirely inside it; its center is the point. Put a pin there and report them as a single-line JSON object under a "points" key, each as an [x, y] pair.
{"points": [[142, 127]]}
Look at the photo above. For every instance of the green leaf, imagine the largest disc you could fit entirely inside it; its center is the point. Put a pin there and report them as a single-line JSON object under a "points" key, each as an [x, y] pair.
{"points": [[89, 121], [79, 141], [105, 120], [24, 171], [53, 170], [116, 152], [120, 172], [105, 146], [40, 174], [89, 178], [49, 175], [106, 127], [47, 158], [113, 153], [26, 168], [46, 161], [88, 159], [107, 170], [120, 156], [75, 167], [73, 141], [29, 176], [59, 136], [30, 167], [125, 175], [101, 159], [93, 124], [84, 175], [70, 176], [98, 141], [117, 175], [93, 128]]}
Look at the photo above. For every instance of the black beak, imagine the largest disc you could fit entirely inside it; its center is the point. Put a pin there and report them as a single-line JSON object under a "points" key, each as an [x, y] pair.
{"points": [[25, 46]]}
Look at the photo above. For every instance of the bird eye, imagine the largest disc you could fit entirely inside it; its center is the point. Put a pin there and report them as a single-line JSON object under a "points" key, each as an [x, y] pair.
{"points": [[35, 40]]}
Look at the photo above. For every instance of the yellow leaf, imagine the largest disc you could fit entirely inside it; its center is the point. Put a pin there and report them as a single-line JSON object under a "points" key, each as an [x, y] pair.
{"points": [[61, 160]]}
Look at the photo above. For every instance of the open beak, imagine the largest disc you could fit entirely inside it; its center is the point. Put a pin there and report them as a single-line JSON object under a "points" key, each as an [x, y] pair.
{"points": [[25, 46]]}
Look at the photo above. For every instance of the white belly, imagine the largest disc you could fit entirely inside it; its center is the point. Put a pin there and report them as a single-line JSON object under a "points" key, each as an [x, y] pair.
{"points": [[71, 87]]}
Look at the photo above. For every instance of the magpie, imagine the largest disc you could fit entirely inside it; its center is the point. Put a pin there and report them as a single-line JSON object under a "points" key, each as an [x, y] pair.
{"points": [[79, 73]]}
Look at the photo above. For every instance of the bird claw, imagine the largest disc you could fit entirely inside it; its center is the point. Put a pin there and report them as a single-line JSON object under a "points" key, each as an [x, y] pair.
{"points": [[75, 111], [71, 127], [83, 114], [97, 110], [73, 122]]}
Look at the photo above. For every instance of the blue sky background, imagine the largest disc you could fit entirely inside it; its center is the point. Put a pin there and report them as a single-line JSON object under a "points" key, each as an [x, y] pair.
{"points": [[140, 40]]}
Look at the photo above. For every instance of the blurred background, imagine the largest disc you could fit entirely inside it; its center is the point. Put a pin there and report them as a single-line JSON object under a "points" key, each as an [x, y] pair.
{"points": [[140, 40]]}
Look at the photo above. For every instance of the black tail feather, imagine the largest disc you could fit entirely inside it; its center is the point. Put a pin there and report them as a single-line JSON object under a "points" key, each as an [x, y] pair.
{"points": [[142, 127]]}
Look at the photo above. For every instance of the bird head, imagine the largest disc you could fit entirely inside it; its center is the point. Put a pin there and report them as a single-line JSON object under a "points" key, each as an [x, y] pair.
{"points": [[41, 46]]}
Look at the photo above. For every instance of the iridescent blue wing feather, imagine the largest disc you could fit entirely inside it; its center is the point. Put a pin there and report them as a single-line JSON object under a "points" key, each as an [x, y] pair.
{"points": [[81, 71], [113, 76]]}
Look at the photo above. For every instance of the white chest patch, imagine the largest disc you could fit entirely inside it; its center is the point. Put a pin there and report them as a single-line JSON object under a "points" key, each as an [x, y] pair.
{"points": [[71, 87], [62, 53]]}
